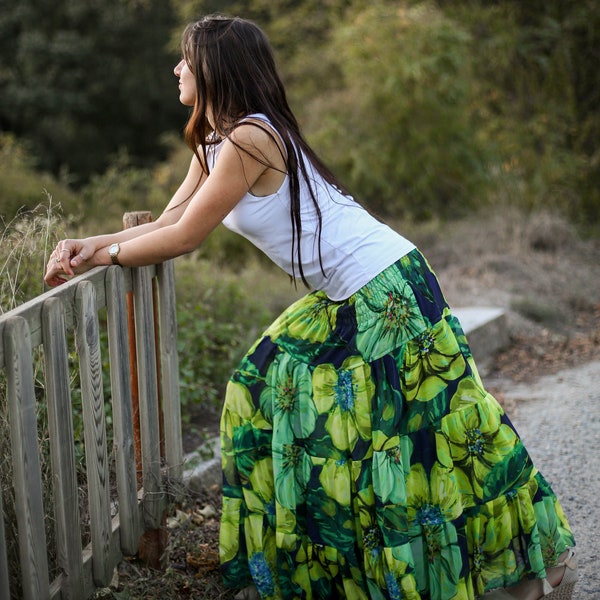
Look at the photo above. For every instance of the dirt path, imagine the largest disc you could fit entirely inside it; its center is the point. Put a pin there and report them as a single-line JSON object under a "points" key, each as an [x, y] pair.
{"points": [[558, 418]]}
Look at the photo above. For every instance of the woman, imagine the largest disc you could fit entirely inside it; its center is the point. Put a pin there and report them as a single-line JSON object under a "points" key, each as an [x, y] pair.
{"points": [[362, 457]]}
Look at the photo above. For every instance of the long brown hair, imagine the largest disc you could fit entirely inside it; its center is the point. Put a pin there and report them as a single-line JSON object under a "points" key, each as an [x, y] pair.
{"points": [[236, 76]]}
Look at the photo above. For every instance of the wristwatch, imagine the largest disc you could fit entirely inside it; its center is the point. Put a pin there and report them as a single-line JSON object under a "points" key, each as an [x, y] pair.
{"points": [[114, 250]]}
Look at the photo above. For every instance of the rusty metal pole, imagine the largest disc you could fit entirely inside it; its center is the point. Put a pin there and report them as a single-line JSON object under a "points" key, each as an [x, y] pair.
{"points": [[131, 219], [153, 541]]}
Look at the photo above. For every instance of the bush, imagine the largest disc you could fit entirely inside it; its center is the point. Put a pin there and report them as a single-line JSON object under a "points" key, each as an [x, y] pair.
{"points": [[220, 311], [22, 188], [399, 130], [121, 188]]}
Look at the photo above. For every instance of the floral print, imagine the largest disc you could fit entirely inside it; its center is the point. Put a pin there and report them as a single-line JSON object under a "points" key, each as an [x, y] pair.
{"points": [[485, 451], [344, 397], [363, 459], [261, 574]]}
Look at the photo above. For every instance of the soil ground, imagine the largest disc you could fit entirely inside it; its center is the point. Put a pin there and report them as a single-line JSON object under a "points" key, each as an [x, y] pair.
{"points": [[539, 270]]}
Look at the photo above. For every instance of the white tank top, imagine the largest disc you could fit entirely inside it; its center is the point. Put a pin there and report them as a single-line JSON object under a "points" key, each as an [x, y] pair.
{"points": [[355, 246]]}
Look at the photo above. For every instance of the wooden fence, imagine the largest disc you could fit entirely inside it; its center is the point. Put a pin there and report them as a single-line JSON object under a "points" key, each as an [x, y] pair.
{"points": [[64, 322]]}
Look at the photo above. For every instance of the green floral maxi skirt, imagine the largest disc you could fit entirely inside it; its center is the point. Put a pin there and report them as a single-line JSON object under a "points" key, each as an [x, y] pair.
{"points": [[362, 457]]}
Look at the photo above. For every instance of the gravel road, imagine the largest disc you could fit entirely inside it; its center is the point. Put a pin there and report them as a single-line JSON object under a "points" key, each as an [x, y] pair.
{"points": [[558, 418]]}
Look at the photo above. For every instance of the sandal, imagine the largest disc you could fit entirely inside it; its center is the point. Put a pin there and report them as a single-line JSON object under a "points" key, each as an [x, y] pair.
{"points": [[563, 591]]}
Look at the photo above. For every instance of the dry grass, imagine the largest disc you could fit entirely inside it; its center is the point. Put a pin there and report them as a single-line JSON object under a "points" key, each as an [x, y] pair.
{"points": [[25, 242], [535, 266]]}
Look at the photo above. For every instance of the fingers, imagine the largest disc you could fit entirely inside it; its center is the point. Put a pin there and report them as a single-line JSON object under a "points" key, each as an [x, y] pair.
{"points": [[54, 274], [58, 265], [67, 257], [77, 260], [63, 255], [55, 281], [53, 262]]}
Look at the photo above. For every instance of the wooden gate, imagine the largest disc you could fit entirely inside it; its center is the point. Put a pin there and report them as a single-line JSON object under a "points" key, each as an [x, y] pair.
{"points": [[64, 330]]}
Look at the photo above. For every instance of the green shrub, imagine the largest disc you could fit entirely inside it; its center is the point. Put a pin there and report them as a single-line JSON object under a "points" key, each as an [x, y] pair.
{"points": [[22, 188], [121, 188], [399, 130], [220, 312], [214, 318]]}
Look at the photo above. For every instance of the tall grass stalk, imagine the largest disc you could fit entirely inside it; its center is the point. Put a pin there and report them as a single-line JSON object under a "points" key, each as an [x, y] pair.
{"points": [[25, 245]]}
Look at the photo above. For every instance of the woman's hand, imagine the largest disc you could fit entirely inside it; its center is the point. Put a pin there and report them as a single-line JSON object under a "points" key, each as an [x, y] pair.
{"points": [[69, 258]]}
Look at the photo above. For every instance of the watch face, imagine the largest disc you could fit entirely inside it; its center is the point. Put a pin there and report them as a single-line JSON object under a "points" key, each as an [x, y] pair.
{"points": [[113, 251]]}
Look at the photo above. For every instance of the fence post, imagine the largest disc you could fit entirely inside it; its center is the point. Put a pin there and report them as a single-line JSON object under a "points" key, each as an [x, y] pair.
{"points": [[87, 341], [26, 461], [60, 426], [153, 541], [120, 377], [132, 219], [170, 372], [4, 575]]}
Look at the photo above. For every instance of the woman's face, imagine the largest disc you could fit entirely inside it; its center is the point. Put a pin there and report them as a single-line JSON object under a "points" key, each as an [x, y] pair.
{"points": [[187, 83], [187, 88]]}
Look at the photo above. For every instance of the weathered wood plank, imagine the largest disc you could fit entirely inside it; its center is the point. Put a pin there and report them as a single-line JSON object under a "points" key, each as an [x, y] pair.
{"points": [[31, 311], [148, 395], [170, 370], [90, 369], [25, 456], [4, 586], [62, 451], [131, 527]]}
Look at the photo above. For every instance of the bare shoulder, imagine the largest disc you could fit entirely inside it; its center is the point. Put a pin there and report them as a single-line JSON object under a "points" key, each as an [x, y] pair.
{"points": [[263, 146], [255, 133]]}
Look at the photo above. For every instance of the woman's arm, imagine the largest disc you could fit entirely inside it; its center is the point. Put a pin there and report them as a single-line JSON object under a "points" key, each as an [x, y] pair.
{"points": [[77, 255], [234, 173], [184, 225]]}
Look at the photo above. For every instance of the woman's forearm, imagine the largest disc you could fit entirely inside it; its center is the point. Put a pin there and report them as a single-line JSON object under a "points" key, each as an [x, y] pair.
{"points": [[152, 247], [106, 239]]}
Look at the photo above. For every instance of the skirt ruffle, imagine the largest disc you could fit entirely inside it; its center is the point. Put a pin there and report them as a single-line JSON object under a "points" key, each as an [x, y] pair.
{"points": [[363, 457]]}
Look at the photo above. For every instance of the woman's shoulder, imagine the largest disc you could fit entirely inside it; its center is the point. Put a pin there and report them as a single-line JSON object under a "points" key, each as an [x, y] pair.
{"points": [[250, 129], [257, 125], [258, 118], [256, 131]]}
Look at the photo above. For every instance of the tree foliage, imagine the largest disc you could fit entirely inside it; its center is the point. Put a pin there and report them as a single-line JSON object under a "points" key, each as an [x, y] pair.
{"points": [[22, 188], [421, 106], [402, 128], [536, 66], [83, 78]]}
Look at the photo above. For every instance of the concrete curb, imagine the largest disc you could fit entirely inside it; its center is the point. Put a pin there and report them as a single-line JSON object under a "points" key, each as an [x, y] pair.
{"points": [[202, 467], [486, 331]]}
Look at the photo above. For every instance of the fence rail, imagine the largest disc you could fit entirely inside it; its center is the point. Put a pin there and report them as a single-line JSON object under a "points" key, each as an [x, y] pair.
{"points": [[60, 322]]}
